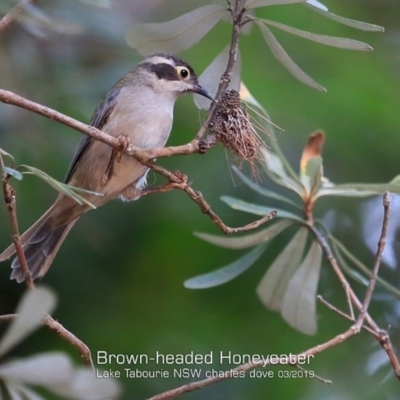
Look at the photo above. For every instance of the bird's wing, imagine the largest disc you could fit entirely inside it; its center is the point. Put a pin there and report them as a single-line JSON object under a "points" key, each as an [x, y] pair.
{"points": [[98, 120]]}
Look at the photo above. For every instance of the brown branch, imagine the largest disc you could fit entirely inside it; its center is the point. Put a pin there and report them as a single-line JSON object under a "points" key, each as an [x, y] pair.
{"points": [[380, 335], [378, 259], [237, 19], [6, 21], [288, 360], [64, 333], [9, 199]]}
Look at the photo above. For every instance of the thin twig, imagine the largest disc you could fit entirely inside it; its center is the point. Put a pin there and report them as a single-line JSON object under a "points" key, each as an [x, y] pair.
{"points": [[378, 259], [380, 334], [64, 333], [237, 19], [6, 21], [341, 313], [190, 387], [335, 266], [9, 199]]}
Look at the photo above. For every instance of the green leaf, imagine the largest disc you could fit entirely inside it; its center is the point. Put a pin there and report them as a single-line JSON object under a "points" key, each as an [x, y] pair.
{"points": [[342, 43], [227, 273], [363, 26], [4, 153], [176, 35], [246, 241], [256, 209], [362, 267], [299, 301], [276, 171], [280, 54], [13, 172], [267, 193], [264, 3], [211, 77], [272, 286], [62, 187]]}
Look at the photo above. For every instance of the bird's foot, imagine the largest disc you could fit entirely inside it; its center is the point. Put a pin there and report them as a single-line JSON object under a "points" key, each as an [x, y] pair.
{"points": [[125, 142]]}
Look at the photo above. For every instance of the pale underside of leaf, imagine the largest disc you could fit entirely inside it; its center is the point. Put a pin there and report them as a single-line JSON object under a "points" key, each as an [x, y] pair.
{"points": [[342, 43], [13, 172], [226, 273], [264, 3], [26, 393], [33, 307], [211, 76], [282, 56], [359, 189], [276, 171], [84, 385], [317, 4], [256, 209], [46, 369], [364, 26], [176, 35], [299, 301], [265, 192], [272, 286], [246, 241]]}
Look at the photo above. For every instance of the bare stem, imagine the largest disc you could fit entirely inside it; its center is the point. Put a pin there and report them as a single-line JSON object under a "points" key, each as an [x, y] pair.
{"points": [[9, 199], [6, 21], [64, 333], [378, 259]]}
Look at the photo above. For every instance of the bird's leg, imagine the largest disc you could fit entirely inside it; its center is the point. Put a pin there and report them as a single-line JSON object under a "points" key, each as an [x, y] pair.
{"points": [[115, 155], [181, 185]]}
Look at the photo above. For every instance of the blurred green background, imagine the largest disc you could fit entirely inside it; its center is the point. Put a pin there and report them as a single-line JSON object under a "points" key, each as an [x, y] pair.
{"points": [[119, 274]]}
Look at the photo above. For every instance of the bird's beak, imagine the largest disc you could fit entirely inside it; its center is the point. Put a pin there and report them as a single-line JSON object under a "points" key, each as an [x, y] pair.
{"points": [[202, 92]]}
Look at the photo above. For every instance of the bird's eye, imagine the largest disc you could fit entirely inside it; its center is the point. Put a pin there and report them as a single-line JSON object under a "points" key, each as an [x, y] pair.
{"points": [[183, 72]]}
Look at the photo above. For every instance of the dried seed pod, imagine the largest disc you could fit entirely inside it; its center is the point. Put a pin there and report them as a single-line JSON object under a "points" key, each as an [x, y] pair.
{"points": [[232, 127]]}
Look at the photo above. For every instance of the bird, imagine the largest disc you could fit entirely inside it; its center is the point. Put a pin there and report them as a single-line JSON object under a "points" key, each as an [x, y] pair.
{"points": [[137, 110]]}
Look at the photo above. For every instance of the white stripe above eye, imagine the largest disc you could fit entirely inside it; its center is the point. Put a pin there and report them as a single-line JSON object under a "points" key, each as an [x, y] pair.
{"points": [[160, 60]]}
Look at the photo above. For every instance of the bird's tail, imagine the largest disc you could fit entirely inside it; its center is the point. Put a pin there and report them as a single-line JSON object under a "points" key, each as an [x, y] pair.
{"points": [[40, 243]]}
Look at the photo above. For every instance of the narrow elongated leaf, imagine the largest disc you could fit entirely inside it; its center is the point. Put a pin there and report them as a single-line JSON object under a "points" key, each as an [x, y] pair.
{"points": [[46, 369], [14, 393], [264, 3], [317, 4], [211, 77], [4, 153], [68, 190], [299, 301], [256, 209], [246, 241], [276, 171], [28, 394], [176, 35], [359, 189], [272, 286], [85, 385], [363, 26], [33, 307], [341, 248], [342, 43], [13, 172], [227, 273], [265, 192], [280, 54]]}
